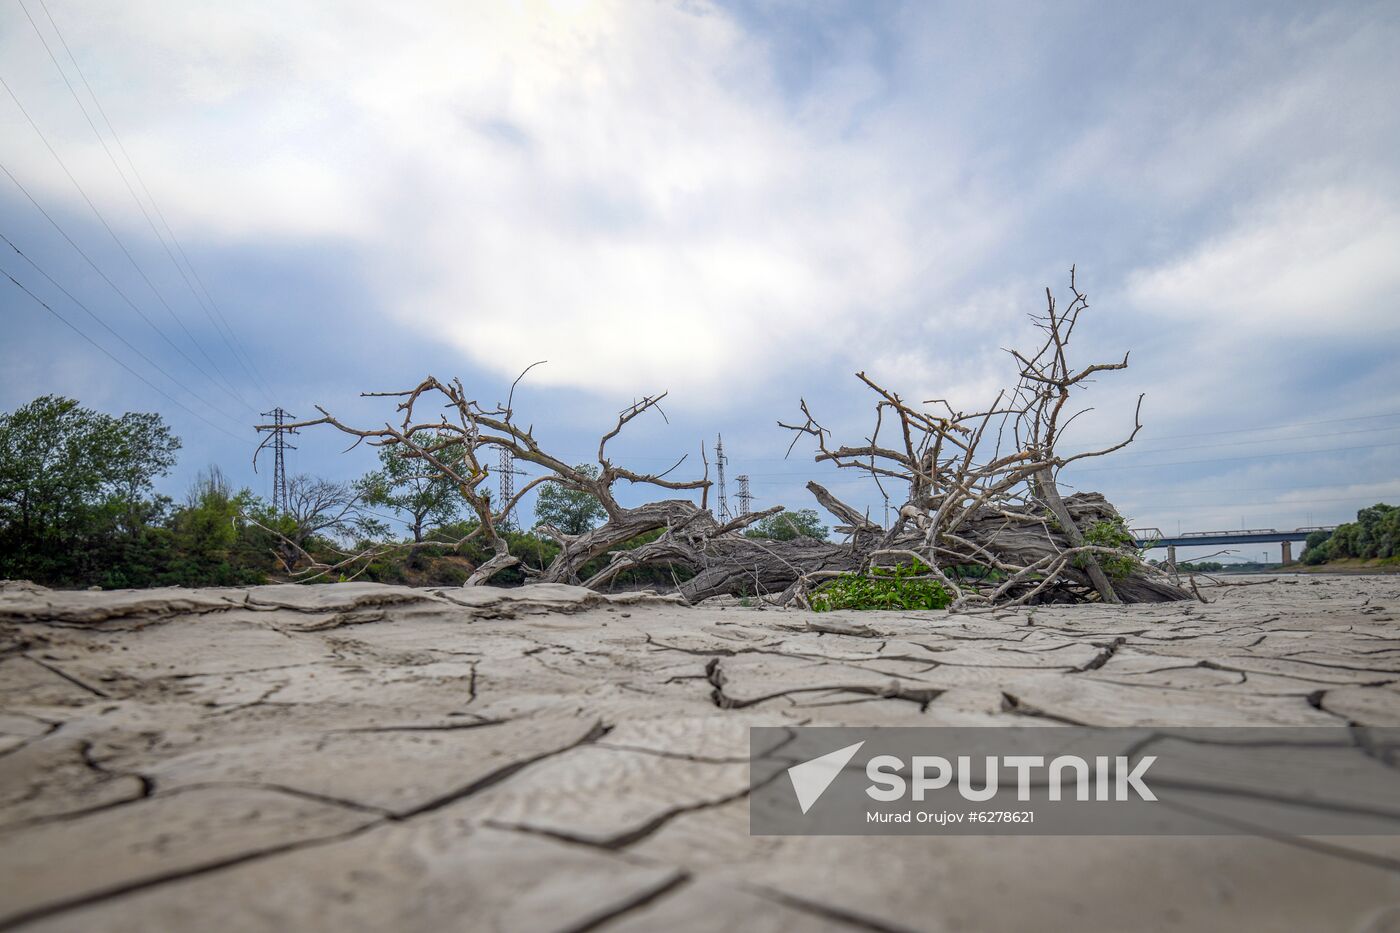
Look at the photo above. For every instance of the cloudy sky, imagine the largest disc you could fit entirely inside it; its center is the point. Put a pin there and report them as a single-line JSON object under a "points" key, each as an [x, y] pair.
{"points": [[743, 204]]}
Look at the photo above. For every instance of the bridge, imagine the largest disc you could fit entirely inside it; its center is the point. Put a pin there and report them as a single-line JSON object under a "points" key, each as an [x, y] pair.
{"points": [[1149, 538]]}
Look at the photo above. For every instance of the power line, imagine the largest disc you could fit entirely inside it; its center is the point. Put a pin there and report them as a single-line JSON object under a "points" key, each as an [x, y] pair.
{"points": [[103, 276], [1302, 504], [111, 158], [1278, 453], [227, 331], [128, 344], [1136, 449], [1275, 427], [43, 304], [1263, 440], [1075, 469], [1157, 488], [228, 388], [392, 518]]}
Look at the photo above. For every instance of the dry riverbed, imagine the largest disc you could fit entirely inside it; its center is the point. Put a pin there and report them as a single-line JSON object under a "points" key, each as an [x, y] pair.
{"points": [[365, 757]]}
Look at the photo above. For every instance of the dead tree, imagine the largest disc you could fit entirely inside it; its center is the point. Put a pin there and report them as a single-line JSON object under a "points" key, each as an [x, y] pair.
{"points": [[983, 515], [982, 487], [458, 442]]}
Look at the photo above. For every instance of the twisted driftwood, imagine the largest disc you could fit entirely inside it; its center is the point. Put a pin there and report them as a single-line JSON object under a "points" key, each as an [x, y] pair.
{"points": [[983, 514], [982, 485]]}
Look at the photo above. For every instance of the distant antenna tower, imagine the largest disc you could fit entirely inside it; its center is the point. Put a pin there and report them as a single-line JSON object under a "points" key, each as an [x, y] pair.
{"points": [[744, 496], [279, 460], [887, 511], [723, 514]]}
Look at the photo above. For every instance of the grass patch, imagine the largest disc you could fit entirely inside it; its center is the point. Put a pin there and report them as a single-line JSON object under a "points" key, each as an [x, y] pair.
{"points": [[901, 587]]}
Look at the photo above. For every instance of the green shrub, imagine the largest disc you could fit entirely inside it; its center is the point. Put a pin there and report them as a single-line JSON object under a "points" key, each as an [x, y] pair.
{"points": [[572, 511], [1112, 534], [1374, 534], [1318, 548], [902, 587], [975, 574], [786, 526]]}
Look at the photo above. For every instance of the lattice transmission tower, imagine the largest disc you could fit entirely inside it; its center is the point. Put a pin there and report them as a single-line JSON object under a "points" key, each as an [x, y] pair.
{"points": [[278, 442], [743, 495], [506, 474], [722, 513]]}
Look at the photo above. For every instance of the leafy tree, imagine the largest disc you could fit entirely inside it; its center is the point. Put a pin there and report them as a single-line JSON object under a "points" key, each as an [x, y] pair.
{"points": [[1380, 531], [207, 526], [411, 487], [213, 544], [1316, 549], [317, 508], [72, 478], [1374, 534], [785, 526], [571, 511]]}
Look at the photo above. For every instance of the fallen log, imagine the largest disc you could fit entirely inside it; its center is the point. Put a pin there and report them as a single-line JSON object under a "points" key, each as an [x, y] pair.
{"points": [[984, 517]]}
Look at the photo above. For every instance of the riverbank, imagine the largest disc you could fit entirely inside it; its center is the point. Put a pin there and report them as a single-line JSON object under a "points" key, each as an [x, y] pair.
{"points": [[358, 756]]}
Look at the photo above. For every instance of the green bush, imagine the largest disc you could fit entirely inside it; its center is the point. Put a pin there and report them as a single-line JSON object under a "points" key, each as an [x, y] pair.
{"points": [[786, 526], [1374, 534], [76, 488], [572, 511], [902, 587], [1317, 549], [1112, 534]]}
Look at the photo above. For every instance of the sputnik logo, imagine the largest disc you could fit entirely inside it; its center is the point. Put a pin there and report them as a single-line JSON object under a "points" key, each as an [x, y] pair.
{"points": [[811, 778]]}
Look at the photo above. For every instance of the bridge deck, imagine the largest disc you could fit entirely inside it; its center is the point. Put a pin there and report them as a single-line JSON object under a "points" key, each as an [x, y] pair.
{"points": [[1152, 538]]}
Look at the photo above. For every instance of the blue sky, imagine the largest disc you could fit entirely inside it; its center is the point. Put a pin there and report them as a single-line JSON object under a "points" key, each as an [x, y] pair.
{"points": [[741, 203]]}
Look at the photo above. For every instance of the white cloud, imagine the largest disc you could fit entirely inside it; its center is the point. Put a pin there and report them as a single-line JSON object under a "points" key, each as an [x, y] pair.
{"points": [[1321, 262], [626, 190], [619, 188]]}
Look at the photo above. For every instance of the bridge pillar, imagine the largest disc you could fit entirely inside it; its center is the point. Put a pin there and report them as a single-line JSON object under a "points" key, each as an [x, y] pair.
{"points": [[1287, 553], [1171, 555]]}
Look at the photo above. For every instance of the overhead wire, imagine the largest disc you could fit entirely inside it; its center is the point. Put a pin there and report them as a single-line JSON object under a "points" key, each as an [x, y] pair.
{"points": [[246, 361], [81, 252], [1225, 506], [174, 401], [229, 389], [206, 301], [1263, 440], [1075, 469], [111, 158], [111, 330], [1276, 427], [1136, 449]]}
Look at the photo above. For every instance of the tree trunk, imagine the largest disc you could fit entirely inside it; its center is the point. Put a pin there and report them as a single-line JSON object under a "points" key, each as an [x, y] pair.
{"points": [[577, 550], [737, 565], [1045, 486]]}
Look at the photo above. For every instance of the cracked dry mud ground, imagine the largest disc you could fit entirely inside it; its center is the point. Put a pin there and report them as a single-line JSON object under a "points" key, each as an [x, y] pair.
{"points": [[364, 757]]}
